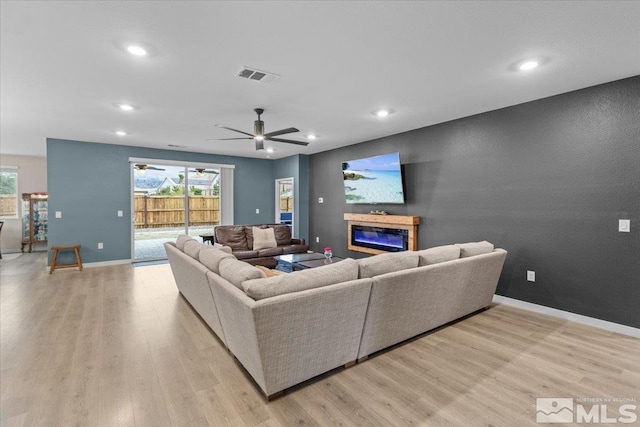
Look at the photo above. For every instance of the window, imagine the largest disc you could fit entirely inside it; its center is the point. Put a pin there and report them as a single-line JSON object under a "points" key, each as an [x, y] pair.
{"points": [[8, 192]]}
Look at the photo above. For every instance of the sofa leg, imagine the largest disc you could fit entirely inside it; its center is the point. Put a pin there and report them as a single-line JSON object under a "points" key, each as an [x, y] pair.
{"points": [[349, 364], [363, 358], [275, 395]]}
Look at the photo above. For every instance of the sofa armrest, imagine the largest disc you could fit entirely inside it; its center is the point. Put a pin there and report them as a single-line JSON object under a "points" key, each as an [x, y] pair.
{"points": [[299, 241]]}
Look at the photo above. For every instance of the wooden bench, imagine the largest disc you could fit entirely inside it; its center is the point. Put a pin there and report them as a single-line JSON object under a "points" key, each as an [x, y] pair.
{"points": [[54, 261]]}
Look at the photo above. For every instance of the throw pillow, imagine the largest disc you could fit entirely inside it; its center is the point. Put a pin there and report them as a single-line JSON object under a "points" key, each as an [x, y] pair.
{"points": [[269, 272], [237, 272], [438, 254], [181, 240], [263, 238], [210, 258], [387, 263], [341, 271], [474, 248], [192, 248]]}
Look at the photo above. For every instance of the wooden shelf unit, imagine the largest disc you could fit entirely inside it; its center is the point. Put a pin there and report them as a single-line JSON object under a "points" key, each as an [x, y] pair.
{"points": [[409, 223]]}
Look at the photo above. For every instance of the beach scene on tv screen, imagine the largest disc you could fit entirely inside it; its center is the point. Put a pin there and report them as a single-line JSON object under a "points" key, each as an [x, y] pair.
{"points": [[373, 180]]}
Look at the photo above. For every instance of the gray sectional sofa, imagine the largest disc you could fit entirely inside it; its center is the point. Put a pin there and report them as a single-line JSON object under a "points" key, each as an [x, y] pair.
{"points": [[292, 327]]}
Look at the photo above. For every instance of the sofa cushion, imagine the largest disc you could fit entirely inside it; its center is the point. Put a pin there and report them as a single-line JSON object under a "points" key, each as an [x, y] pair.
{"points": [[294, 249], [210, 258], [438, 254], [237, 272], [341, 271], [263, 238], [270, 251], [232, 236], [245, 254], [387, 263], [181, 240], [474, 248], [192, 248], [283, 234]]}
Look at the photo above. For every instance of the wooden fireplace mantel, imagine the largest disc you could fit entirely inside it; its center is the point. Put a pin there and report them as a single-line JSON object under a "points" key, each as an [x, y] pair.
{"points": [[409, 223]]}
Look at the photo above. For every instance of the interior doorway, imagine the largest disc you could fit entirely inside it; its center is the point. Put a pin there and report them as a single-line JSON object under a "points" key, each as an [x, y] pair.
{"points": [[170, 199], [285, 203]]}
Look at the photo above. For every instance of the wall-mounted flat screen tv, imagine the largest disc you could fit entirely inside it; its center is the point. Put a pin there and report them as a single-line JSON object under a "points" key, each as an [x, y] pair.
{"points": [[373, 180]]}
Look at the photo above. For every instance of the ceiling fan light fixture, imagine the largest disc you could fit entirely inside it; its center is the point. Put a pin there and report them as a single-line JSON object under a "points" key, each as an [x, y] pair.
{"points": [[269, 150], [528, 65], [311, 137], [382, 113]]}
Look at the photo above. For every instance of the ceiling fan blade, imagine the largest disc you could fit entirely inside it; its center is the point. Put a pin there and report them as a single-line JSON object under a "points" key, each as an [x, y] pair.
{"points": [[288, 141], [235, 130], [259, 144], [226, 139], [280, 132]]}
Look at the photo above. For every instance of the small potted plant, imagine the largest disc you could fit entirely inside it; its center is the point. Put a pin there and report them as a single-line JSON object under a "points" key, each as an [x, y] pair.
{"points": [[327, 252]]}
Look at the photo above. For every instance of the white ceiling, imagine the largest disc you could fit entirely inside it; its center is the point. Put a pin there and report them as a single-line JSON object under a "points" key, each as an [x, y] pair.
{"points": [[63, 67]]}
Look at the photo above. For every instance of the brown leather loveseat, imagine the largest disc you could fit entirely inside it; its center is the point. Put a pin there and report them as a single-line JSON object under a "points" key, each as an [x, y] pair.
{"points": [[240, 239]]}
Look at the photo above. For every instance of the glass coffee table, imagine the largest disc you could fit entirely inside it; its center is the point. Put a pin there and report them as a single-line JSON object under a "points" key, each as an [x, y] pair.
{"points": [[295, 262]]}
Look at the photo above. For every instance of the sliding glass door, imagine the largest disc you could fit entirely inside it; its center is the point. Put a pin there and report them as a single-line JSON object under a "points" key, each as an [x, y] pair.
{"points": [[169, 200]]}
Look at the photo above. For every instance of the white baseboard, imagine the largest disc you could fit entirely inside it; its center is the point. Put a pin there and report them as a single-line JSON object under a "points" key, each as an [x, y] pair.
{"points": [[102, 263], [566, 315]]}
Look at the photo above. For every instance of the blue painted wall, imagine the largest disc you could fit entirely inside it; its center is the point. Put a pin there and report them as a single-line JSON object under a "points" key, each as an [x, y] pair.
{"points": [[297, 167], [90, 182]]}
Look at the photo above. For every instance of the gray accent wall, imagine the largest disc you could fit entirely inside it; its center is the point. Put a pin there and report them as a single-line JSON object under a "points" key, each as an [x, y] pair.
{"points": [[546, 180], [90, 182]]}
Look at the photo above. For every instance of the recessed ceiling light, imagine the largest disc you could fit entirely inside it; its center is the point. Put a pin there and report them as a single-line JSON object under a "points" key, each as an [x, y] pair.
{"points": [[528, 65], [136, 49], [311, 137], [384, 112], [269, 150], [121, 133], [126, 107]]}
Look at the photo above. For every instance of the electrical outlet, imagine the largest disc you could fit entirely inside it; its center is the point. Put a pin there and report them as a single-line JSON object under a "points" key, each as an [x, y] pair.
{"points": [[100, 245], [317, 240], [531, 276], [257, 210], [120, 213], [624, 225]]}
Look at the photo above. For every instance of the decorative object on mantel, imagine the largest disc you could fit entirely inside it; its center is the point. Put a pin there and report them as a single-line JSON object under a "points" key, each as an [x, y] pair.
{"points": [[378, 213], [407, 225], [327, 252]]}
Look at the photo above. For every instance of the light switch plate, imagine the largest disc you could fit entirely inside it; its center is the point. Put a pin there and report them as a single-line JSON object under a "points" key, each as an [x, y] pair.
{"points": [[317, 240], [257, 211], [624, 225], [100, 245], [120, 213], [58, 214], [320, 200], [531, 276]]}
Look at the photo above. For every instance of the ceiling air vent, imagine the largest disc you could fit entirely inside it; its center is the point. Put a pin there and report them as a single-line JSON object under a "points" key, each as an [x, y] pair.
{"points": [[257, 75]]}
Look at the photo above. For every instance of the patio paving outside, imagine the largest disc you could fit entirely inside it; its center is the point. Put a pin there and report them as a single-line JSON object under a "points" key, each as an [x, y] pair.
{"points": [[149, 243]]}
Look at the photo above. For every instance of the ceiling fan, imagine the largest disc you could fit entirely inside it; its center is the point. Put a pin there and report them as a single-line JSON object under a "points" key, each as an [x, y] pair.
{"points": [[142, 167], [202, 171], [258, 134]]}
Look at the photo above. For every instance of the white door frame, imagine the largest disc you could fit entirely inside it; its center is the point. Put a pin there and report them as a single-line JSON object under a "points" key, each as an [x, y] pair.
{"points": [[277, 213]]}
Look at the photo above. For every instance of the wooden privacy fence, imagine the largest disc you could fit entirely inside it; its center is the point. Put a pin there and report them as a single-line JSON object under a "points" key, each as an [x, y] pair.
{"points": [[168, 211], [8, 205], [286, 204]]}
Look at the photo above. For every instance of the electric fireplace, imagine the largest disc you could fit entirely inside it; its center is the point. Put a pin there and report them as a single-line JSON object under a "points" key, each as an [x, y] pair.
{"points": [[380, 238]]}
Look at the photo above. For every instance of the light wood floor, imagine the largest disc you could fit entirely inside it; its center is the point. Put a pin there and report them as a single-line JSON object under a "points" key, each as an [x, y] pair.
{"points": [[118, 345]]}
